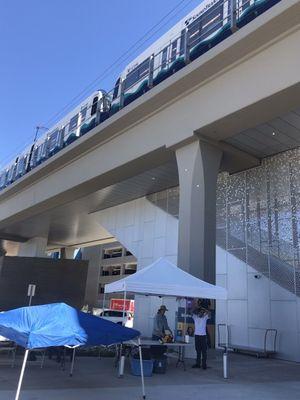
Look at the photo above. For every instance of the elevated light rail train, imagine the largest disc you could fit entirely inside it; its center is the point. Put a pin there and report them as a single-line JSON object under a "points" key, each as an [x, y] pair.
{"points": [[207, 25]]}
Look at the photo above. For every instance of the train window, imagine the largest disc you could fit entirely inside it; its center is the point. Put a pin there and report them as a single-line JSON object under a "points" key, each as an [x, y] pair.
{"points": [[144, 68], [21, 166], [11, 173], [94, 105], [194, 32], [182, 42], [212, 20], [33, 160], [73, 123], [206, 24], [83, 113], [174, 50], [137, 74], [116, 89], [55, 140], [242, 6], [164, 57], [41, 152], [2, 179], [131, 78]]}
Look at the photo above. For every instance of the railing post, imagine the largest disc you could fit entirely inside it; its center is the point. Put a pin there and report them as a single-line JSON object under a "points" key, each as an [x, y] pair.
{"points": [[233, 15], [151, 71], [122, 89], [186, 46]]}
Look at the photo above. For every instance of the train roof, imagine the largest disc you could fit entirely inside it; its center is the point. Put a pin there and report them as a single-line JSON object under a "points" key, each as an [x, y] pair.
{"points": [[170, 35], [62, 122]]}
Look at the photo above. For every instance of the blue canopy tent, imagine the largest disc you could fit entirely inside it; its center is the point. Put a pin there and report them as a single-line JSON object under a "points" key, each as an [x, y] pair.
{"points": [[61, 325]]}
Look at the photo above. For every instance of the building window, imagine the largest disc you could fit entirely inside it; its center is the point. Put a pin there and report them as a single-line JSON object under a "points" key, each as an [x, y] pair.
{"points": [[130, 269], [101, 289], [112, 253], [105, 272], [116, 270]]}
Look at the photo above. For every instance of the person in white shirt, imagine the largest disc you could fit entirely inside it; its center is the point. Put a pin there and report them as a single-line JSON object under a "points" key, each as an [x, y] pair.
{"points": [[200, 317]]}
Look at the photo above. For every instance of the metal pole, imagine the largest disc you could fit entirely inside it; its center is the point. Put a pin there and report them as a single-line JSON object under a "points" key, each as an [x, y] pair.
{"points": [[30, 300], [22, 374], [185, 330], [103, 304], [124, 302], [225, 364], [142, 368], [121, 362], [225, 354], [73, 361]]}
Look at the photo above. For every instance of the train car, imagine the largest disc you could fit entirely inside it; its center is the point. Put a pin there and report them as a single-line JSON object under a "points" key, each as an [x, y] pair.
{"points": [[202, 29], [3, 176], [78, 122]]}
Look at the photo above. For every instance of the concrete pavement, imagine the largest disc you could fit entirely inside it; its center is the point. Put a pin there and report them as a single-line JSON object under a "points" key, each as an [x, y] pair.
{"points": [[250, 378]]}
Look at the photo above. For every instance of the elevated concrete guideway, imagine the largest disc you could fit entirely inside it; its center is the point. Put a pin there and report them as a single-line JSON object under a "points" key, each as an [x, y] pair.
{"points": [[248, 79]]}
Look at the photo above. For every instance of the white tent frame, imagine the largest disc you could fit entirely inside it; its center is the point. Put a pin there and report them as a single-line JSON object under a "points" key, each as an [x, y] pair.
{"points": [[126, 290]]}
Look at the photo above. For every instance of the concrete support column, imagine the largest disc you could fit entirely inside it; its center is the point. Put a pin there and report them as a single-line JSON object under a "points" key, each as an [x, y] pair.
{"points": [[93, 255], [35, 247], [198, 167], [2, 248], [67, 253]]}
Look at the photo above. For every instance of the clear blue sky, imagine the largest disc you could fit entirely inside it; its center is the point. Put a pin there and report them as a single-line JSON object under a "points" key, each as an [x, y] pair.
{"points": [[52, 49]]}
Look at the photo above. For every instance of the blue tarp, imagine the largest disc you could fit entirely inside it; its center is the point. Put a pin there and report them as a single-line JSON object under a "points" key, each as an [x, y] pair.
{"points": [[59, 324]]}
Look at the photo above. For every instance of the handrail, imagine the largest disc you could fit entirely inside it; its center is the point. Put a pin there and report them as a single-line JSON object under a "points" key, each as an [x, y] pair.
{"points": [[265, 349], [274, 339]]}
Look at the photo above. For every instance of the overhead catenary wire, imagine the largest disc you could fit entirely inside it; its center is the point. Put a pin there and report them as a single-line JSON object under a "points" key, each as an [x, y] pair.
{"points": [[120, 60], [168, 17]]}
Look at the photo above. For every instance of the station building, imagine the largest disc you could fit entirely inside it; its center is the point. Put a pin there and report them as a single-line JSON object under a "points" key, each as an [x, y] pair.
{"points": [[203, 169]]}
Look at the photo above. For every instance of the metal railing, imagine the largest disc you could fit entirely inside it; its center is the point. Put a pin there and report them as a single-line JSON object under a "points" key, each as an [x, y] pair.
{"points": [[211, 27]]}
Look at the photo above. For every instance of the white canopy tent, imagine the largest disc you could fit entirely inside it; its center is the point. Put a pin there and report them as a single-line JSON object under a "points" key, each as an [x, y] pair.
{"points": [[162, 278]]}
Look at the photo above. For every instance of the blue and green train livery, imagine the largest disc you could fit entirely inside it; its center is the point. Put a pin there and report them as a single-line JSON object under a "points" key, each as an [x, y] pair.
{"points": [[205, 27]]}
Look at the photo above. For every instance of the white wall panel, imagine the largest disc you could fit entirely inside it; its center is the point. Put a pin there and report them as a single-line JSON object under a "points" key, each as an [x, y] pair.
{"points": [[279, 293], [149, 233], [159, 247], [288, 346], [298, 314], [238, 321], [256, 337], [284, 315], [237, 278], [258, 302], [221, 260]]}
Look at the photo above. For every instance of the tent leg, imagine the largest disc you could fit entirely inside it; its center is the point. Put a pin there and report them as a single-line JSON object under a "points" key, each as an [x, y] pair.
{"points": [[142, 368], [22, 374], [103, 303], [73, 361]]}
